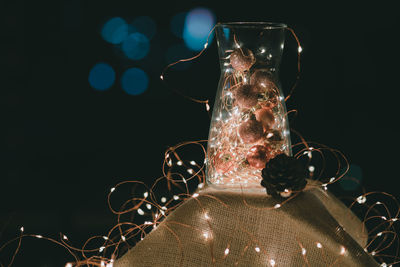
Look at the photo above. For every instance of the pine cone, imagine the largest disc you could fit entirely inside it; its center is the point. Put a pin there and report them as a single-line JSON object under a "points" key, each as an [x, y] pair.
{"points": [[283, 173]]}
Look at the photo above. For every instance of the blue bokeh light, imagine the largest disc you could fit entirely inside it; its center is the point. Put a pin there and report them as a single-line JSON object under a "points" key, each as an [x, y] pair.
{"points": [[177, 24], [145, 25], [134, 81], [352, 179], [101, 76], [136, 46], [115, 30], [198, 24]]}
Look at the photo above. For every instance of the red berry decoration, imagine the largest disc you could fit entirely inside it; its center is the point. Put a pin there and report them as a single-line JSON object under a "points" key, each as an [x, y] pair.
{"points": [[261, 79], [242, 59], [258, 156], [246, 96], [266, 117], [251, 131]]}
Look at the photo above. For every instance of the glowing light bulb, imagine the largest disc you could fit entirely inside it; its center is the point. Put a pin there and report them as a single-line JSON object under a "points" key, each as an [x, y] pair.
{"points": [[21, 229], [257, 249], [179, 163], [195, 195], [206, 216], [105, 237], [277, 206], [148, 206], [176, 197], [342, 250], [319, 245], [112, 189], [140, 211], [361, 199], [226, 251], [300, 49], [193, 162], [39, 236], [272, 262], [146, 194], [200, 186], [163, 199], [303, 251], [190, 171], [311, 168], [68, 264], [101, 249], [65, 237], [123, 238]]}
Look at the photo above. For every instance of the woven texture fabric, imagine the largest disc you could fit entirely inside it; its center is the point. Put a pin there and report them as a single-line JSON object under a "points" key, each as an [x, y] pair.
{"points": [[227, 228]]}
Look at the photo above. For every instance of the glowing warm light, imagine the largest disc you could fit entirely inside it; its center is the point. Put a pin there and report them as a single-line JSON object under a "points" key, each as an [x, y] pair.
{"points": [[148, 206], [176, 197], [193, 162], [68, 264], [206, 235], [303, 251], [361, 199], [140, 211], [105, 237], [319, 245], [101, 249], [146, 194], [207, 107], [373, 253], [257, 249], [300, 49], [200, 186], [123, 238], [272, 262], [311, 168], [39, 236], [226, 251], [163, 199], [21, 229], [190, 171], [206, 216], [379, 234], [179, 163], [195, 195], [65, 237], [342, 250], [112, 189], [277, 206]]}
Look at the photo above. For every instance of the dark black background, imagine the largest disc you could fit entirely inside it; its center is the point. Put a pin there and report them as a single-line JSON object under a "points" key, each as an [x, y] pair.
{"points": [[64, 145]]}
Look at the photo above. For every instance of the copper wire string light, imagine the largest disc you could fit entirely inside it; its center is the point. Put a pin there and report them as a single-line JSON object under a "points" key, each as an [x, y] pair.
{"points": [[180, 175]]}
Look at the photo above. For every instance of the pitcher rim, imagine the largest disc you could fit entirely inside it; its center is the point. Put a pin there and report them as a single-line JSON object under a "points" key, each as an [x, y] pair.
{"points": [[250, 24]]}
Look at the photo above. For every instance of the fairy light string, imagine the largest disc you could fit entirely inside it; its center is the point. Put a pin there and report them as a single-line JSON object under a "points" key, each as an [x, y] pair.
{"points": [[181, 175]]}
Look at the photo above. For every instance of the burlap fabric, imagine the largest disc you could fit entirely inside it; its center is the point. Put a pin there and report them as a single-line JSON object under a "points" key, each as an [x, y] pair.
{"points": [[225, 228]]}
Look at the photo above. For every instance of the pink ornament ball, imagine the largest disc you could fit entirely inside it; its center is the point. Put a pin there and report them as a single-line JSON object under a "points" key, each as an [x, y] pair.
{"points": [[242, 59], [266, 117], [246, 96], [251, 131], [262, 80], [258, 156]]}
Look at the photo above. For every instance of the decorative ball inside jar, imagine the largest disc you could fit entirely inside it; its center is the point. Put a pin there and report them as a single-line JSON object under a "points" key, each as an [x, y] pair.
{"points": [[242, 59], [261, 79], [246, 96], [258, 156], [266, 117], [251, 131]]}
